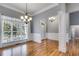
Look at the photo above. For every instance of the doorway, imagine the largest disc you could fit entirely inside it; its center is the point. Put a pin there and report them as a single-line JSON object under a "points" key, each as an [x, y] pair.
{"points": [[74, 29]]}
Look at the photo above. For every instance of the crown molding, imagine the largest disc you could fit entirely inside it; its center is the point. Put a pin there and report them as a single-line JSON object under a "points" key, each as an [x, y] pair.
{"points": [[45, 9], [12, 8], [36, 13]]}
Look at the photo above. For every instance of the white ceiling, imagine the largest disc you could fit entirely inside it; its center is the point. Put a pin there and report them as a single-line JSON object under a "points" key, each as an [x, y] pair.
{"points": [[32, 8]]}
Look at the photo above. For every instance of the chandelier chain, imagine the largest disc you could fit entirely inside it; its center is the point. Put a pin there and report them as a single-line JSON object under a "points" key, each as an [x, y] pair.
{"points": [[26, 8]]}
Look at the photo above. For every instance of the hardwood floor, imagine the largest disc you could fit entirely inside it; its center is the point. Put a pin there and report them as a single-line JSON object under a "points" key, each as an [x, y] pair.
{"points": [[45, 48], [73, 47]]}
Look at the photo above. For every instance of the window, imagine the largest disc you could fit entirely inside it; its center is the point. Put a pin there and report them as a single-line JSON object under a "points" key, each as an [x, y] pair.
{"points": [[6, 30], [13, 30]]}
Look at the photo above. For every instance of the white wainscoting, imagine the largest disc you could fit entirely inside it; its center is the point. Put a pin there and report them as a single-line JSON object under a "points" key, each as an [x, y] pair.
{"points": [[37, 37], [52, 36], [55, 36], [67, 37]]}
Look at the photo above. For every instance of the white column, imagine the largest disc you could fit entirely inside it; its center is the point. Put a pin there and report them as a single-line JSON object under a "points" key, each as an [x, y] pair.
{"points": [[26, 31], [29, 31], [62, 29]]}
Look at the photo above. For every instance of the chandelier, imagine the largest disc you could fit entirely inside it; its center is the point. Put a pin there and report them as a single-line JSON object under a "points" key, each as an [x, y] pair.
{"points": [[26, 18]]}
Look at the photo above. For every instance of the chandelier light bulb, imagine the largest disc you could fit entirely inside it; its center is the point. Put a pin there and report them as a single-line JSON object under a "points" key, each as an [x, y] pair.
{"points": [[22, 17], [24, 20], [49, 18], [26, 17], [30, 18], [53, 17]]}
